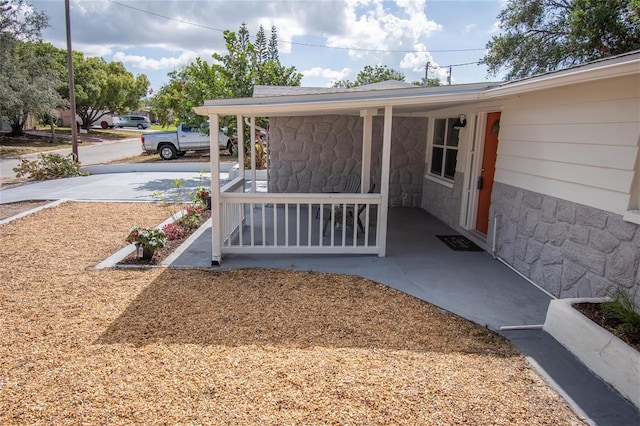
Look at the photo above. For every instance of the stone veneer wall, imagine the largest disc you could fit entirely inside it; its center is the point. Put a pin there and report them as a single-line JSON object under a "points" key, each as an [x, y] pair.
{"points": [[318, 153], [443, 202], [570, 250]]}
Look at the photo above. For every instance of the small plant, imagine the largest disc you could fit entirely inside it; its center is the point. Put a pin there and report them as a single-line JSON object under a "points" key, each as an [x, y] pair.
{"points": [[202, 197], [49, 166], [173, 231], [147, 237], [178, 201], [192, 216], [622, 308]]}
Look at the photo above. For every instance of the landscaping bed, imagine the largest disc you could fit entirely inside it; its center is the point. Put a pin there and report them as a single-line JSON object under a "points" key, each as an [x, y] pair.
{"points": [[162, 253], [251, 347], [595, 313]]}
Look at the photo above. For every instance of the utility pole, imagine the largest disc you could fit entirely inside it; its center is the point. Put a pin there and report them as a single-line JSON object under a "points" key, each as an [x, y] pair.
{"points": [[72, 90], [426, 73], [449, 76]]}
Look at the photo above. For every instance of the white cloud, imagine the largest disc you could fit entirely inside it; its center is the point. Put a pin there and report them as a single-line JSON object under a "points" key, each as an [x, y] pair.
{"points": [[146, 63], [383, 28], [495, 28], [469, 28], [98, 50], [417, 62], [328, 73]]}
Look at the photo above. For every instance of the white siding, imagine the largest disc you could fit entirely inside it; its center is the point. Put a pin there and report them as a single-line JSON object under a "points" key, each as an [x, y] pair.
{"points": [[576, 143]]}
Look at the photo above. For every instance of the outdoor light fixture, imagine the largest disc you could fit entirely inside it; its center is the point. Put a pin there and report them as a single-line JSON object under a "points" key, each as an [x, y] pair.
{"points": [[461, 122]]}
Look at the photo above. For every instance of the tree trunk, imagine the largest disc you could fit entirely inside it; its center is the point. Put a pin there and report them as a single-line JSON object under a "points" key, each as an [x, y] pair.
{"points": [[53, 132], [16, 130]]}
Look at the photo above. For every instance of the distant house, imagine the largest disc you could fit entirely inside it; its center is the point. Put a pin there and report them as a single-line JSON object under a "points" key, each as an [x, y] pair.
{"points": [[543, 172]]}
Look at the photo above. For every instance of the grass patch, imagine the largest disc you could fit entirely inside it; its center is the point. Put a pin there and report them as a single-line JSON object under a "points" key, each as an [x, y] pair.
{"points": [[171, 128], [189, 157], [28, 144]]}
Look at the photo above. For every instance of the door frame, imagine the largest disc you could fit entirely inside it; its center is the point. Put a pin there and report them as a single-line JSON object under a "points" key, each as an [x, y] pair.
{"points": [[475, 150]]}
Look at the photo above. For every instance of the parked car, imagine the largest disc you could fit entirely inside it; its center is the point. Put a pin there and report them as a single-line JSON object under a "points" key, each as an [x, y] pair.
{"points": [[170, 145], [138, 121], [107, 121]]}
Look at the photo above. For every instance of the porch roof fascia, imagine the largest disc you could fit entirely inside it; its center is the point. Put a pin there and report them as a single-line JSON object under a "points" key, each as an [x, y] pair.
{"points": [[351, 102], [617, 66]]}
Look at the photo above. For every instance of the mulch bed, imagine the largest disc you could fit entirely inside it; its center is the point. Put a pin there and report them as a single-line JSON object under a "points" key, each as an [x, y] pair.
{"points": [[594, 312], [252, 347], [11, 209]]}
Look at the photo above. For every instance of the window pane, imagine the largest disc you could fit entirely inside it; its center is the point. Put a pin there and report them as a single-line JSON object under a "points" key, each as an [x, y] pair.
{"points": [[438, 131], [436, 160], [452, 134], [450, 163]]}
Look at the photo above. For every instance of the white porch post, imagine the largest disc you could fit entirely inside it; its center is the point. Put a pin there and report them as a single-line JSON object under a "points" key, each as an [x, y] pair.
{"points": [[253, 154], [240, 141], [367, 130], [384, 181], [216, 222]]}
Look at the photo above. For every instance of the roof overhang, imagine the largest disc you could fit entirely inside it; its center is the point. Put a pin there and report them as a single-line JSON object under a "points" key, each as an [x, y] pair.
{"points": [[416, 100]]}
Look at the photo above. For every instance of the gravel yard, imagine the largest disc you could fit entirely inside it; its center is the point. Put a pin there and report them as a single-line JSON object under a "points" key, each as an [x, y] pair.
{"points": [[249, 347]]}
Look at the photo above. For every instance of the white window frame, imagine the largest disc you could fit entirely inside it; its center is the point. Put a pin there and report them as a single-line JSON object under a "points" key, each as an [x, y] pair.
{"points": [[441, 178]]}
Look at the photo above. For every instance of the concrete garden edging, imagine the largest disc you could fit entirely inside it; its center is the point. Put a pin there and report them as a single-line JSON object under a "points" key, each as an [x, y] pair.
{"points": [[606, 355]]}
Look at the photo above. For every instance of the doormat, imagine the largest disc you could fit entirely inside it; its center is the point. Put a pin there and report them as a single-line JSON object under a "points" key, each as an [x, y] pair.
{"points": [[459, 243]]}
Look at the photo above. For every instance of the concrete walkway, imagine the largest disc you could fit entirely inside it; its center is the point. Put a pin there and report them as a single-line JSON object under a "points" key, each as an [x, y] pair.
{"points": [[473, 285]]}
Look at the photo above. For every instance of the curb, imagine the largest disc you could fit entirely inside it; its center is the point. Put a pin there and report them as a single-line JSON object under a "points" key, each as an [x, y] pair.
{"points": [[603, 353], [33, 210], [99, 169], [186, 244]]}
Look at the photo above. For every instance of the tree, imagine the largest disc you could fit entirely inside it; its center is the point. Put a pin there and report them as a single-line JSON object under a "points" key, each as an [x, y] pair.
{"points": [[105, 88], [273, 45], [231, 76], [186, 89], [545, 35], [18, 21], [261, 46], [28, 81], [429, 82], [370, 75], [100, 87]]}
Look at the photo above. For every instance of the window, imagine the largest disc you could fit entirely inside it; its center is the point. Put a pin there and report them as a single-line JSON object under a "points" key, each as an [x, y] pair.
{"points": [[444, 148]]}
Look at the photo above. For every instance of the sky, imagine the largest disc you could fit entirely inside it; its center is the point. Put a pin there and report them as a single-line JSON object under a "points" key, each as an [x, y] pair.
{"points": [[326, 41]]}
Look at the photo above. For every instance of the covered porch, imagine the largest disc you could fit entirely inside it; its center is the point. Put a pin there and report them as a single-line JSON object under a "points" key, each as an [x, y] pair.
{"points": [[315, 221]]}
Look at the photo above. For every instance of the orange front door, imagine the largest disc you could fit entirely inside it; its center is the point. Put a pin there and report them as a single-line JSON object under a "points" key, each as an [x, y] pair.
{"points": [[488, 171]]}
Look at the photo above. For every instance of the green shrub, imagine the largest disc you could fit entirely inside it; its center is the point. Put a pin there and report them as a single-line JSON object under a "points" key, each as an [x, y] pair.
{"points": [[48, 166], [622, 308]]}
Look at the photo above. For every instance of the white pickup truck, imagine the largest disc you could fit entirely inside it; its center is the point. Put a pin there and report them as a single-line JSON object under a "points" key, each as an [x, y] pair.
{"points": [[170, 145]]}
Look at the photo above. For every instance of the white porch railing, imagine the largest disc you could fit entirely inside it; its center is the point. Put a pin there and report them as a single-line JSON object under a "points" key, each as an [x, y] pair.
{"points": [[317, 223]]}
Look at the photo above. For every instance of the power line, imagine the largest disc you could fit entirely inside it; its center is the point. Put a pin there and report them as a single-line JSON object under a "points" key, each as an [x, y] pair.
{"points": [[363, 49]]}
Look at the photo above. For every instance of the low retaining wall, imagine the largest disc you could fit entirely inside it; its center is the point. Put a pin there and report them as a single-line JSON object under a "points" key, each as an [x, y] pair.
{"points": [[603, 353], [160, 166]]}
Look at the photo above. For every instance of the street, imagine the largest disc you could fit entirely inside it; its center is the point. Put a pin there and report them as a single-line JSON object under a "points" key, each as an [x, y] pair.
{"points": [[97, 153]]}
